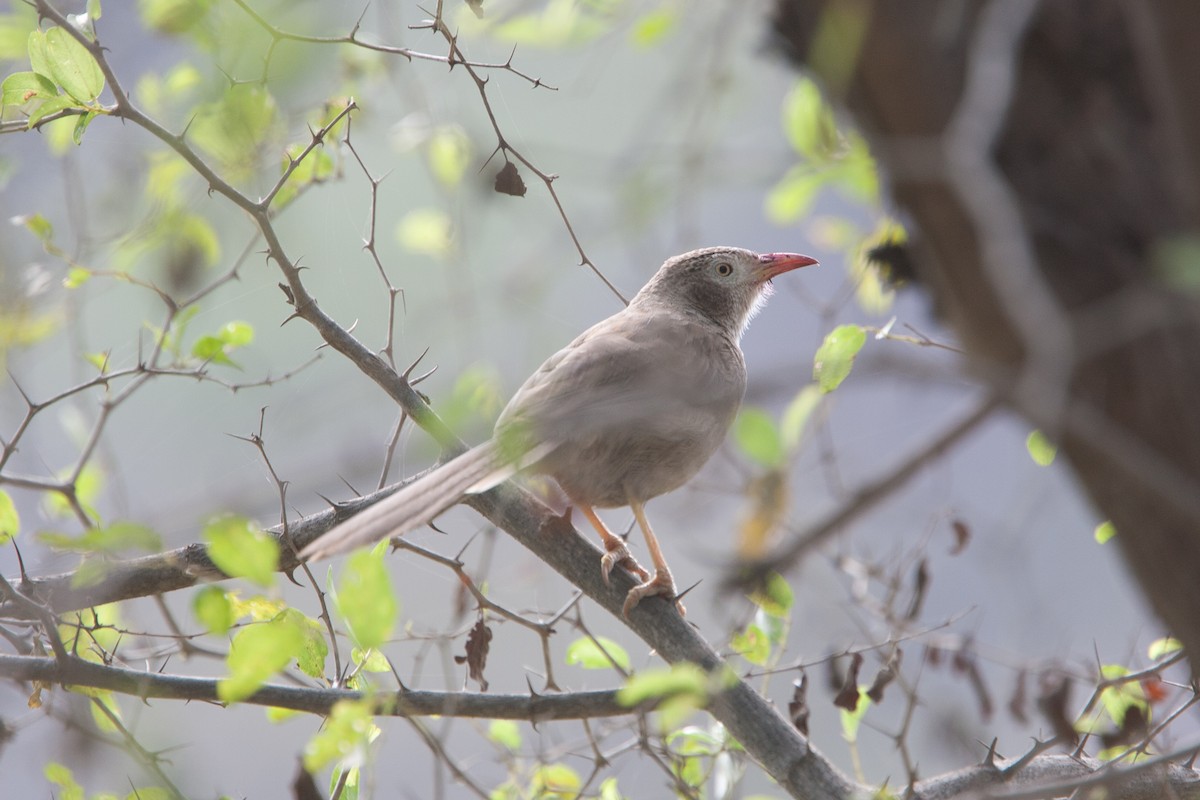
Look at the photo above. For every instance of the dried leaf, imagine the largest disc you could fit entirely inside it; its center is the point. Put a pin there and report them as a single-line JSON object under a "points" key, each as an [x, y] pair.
{"points": [[508, 180], [962, 535], [920, 587], [479, 641], [1056, 690], [847, 696], [886, 674], [798, 705]]}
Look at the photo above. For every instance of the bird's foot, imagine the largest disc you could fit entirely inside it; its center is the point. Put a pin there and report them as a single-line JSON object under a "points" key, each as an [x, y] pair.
{"points": [[617, 552], [661, 584]]}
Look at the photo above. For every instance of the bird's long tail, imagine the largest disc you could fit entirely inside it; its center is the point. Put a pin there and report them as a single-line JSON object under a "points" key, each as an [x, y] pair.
{"points": [[476, 470]]}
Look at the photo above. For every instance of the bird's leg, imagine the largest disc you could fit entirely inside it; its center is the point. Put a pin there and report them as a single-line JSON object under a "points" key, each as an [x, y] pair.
{"points": [[615, 549], [662, 583]]}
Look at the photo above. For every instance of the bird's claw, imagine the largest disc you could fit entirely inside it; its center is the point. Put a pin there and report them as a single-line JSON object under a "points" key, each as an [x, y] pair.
{"points": [[618, 553], [661, 584]]}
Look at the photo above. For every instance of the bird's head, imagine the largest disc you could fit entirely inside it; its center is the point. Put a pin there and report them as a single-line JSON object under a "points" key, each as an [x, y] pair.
{"points": [[724, 284]]}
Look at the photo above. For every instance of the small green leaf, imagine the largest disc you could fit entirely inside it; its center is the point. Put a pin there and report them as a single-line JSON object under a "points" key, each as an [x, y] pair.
{"points": [[1119, 698], [426, 231], [81, 126], [258, 652], [682, 679], [61, 776], [797, 414], [76, 277], [555, 782], [1160, 648], [213, 609], [1041, 449], [26, 90], [505, 733], [449, 152], [10, 520], [752, 644], [365, 598], [345, 735], [36, 224], [651, 28], [589, 653], [775, 596], [808, 121], [792, 197], [312, 655], [836, 355], [73, 67], [758, 437], [1104, 531], [39, 58], [370, 660], [241, 549]]}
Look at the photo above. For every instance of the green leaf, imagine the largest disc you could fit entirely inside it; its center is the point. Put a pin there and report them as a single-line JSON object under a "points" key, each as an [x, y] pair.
{"points": [[81, 126], [808, 122], [758, 437], [213, 609], [752, 644], [426, 231], [370, 660], [1119, 698], [229, 337], [775, 596], [1104, 531], [505, 733], [792, 197], [73, 67], [76, 277], [26, 90], [173, 16], [651, 28], [1160, 648], [836, 355], [39, 56], [258, 652], [365, 598], [589, 653], [682, 679], [61, 776], [36, 224], [1041, 449], [555, 782], [241, 549], [312, 655], [797, 414], [10, 520], [345, 735], [449, 152], [87, 491]]}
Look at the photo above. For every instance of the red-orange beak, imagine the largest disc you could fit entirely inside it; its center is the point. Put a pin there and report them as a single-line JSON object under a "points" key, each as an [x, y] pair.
{"points": [[772, 264]]}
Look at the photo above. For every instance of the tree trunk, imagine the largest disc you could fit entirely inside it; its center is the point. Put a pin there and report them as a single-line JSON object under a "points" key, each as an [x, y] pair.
{"points": [[1047, 157]]}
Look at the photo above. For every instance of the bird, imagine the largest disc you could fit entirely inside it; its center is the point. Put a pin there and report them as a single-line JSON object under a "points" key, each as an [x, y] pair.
{"points": [[629, 410]]}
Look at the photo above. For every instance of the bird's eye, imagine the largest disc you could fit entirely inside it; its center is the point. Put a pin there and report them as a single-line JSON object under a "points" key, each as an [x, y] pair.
{"points": [[724, 269]]}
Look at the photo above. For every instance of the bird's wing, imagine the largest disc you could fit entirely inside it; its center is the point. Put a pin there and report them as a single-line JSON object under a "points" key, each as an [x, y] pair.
{"points": [[631, 368]]}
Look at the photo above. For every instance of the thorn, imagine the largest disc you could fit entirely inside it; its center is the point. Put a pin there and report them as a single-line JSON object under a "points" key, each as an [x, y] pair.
{"points": [[291, 576], [681, 595]]}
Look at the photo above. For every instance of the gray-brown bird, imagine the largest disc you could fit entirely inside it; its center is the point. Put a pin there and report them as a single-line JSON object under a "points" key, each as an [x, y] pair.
{"points": [[631, 409]]}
